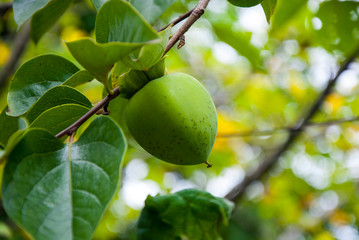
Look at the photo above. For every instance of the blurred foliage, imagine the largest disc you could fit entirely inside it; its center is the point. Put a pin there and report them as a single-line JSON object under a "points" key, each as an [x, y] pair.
{"points": [[261, 76]]}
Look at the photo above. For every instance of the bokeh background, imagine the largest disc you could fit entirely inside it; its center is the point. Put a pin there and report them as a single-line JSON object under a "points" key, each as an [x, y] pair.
{"points": [[263, 78]]}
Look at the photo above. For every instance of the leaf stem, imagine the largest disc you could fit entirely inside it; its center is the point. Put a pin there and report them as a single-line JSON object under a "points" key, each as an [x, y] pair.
{"points": [[106, 82], [71, 129]]}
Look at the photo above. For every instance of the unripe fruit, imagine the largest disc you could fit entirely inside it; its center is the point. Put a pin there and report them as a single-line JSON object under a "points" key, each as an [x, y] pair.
{"points": [[174, 119]]}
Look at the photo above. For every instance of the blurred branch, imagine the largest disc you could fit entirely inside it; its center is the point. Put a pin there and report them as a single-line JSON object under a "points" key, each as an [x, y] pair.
{"points": [[291, 129], [20, 42], [4, 7], [179, 19], [194, 15], [269, 162]]}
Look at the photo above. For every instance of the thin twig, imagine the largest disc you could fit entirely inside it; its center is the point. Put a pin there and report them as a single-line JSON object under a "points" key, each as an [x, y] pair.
{"points": [[71, 129], [268, 163], [19, 46], [291, 129], [177, 20], [196, 13]]}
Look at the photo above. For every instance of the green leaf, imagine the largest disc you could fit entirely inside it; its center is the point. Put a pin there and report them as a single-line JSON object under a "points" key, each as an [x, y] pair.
{"points": [[151, 9], [79, 78], [240, 42], [9, 125], [2, 154], [57, 191], [117, 108], [34, 78], [245, 3], [98, 3], [119, 69], [98, 59], [24, 9], [56, 96], [147, 56], [118, 21], [13, 140], [60, 117], [340, 26], [188, 214], [268, 8], [133, 80], [285, 11], [129, 83], [46, 17], [157, 71]]}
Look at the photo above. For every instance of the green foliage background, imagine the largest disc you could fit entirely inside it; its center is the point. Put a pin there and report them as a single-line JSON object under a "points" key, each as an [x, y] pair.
{"points": [[261, 76]]}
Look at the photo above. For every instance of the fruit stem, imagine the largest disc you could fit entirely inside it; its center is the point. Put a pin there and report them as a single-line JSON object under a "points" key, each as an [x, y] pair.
{"points": [[208, 164], [108, 88]]}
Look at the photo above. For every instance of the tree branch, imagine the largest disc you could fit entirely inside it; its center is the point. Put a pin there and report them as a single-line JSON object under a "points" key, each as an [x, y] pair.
{"points": [[179, 19], [104, 102], [20, 42], [291, 129], [268, 163], [195, 14]]}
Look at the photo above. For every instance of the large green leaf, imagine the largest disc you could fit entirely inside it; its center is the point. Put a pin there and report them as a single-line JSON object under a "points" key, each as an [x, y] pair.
{"points": [[9, 125], [57, 96], [79, 78], [97, 58], [188, 214], [60, 117], [149, 54], [34, 78], [245, 3], [118, 21], [268, 8], [151, 9], [56, 191], [43, 20], [240, 42], [24, 9], [339, 26]]}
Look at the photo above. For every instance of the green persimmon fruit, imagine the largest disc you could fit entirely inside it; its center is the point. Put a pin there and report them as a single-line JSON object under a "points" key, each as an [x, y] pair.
{"points": [[173, 118]]}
